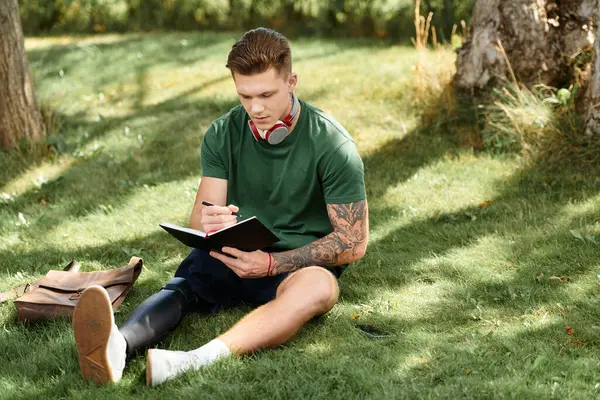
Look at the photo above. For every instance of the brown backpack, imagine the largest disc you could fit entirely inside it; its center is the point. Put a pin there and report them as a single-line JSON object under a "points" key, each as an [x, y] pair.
{"points": [[56, 294]]}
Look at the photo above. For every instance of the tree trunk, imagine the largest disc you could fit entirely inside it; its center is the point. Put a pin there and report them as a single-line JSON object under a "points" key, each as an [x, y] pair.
{"points": [[593, 96], [19, 116], [539, 37]]}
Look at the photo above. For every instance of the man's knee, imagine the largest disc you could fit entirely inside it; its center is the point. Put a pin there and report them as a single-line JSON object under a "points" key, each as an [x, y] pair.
{"points": [[314, 287]]}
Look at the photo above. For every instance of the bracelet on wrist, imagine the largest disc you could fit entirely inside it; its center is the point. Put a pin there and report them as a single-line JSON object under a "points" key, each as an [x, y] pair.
{"points": [[270, 264]]}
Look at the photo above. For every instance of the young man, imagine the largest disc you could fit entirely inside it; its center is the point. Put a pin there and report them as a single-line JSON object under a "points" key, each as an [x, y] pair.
{"points": [[299, 172]]}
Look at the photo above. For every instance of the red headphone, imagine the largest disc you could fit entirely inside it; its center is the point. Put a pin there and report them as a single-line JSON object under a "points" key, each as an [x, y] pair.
{"points": [[280, 130]]}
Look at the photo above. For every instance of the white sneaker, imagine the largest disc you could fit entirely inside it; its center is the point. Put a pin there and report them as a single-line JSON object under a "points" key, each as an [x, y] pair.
{"points": [[163, 365], [100, 345]]}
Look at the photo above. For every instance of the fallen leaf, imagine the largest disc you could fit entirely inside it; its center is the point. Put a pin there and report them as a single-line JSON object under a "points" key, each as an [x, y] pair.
{"points": [[569, 330], [485, 204], [468, 372], [576, 234], [541, 275], [558, 279], [591, 239], [22, 220]]}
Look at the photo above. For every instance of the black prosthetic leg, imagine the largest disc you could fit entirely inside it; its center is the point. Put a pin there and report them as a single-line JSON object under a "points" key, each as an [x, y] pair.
{"points": [[152, 321]]}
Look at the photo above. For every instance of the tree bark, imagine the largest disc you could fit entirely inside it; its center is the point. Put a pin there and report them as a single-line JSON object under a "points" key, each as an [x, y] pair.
{"points": [[539, 37], [592, 123], [19, 115]]}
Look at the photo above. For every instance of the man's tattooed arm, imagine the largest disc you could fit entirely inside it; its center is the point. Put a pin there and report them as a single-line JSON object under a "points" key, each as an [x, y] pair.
{"points": [[347, 242]]}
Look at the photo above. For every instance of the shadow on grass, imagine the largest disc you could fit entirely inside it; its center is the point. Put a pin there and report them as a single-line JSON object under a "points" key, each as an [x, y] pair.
{"points": [[409, 368], [528, 201], [100, 66], [535, 195], [485, 364], [168, 151], [103, 61]]}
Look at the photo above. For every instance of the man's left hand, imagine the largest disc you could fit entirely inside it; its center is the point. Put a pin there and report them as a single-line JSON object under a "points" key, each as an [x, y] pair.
{"points": [[253, 264]]}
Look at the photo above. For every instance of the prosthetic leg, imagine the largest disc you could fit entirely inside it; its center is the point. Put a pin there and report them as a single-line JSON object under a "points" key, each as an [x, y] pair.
{"points": [[152, 321], [103, 348]]}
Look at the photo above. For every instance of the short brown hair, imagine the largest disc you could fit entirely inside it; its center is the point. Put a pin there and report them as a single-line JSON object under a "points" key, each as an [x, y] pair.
{"points": [[258, 50]]}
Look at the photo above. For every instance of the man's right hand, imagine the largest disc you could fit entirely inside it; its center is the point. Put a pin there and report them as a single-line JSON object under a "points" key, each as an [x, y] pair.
{"points": [[213, 218]]}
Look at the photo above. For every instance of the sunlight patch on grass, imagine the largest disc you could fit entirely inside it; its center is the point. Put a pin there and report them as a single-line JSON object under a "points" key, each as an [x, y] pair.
{"points": [[157, 70], [442, 190], [361, 103], [370, 132], [457, 237], [414, 302], [488, 259], [9, 239], [15, 384], [486, 319], [36, 177], [541, 316], [32, 43], [416, 362], [164, 83], [130, 218], [393, 311], [585, 212], [438, 187], [321, 349]]}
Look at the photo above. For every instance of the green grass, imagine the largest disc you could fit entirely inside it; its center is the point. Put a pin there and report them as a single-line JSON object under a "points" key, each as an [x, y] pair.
{"points": [[457, 236]]}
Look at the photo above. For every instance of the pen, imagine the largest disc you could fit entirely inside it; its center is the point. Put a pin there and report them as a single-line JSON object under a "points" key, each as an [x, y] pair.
{"points": [[207, 203]]}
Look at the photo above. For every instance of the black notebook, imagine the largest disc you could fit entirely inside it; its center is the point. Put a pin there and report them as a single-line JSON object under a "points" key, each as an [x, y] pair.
{"points": [[247, 235]]}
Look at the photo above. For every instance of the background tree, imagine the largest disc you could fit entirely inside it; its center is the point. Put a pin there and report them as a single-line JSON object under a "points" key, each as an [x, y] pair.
{"points": [[19, 115], [544, 41], [593, 95], [540, 38]]}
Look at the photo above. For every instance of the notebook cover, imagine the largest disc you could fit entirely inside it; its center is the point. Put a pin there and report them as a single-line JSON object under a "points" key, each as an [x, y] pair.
{"points": [[247, 235]]}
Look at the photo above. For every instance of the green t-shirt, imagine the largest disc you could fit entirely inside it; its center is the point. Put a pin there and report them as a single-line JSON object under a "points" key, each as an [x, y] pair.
{"points": [[286, 186]]}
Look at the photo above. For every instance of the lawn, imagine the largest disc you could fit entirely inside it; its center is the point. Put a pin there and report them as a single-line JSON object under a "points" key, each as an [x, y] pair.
{"points": [[457, 237]]}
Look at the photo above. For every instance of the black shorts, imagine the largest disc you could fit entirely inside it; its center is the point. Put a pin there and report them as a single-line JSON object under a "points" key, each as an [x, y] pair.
{"points": [[217, 286]]}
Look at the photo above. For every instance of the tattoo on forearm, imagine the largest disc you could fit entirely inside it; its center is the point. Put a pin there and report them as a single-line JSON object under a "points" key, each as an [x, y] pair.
{"points": [[343, 245]]}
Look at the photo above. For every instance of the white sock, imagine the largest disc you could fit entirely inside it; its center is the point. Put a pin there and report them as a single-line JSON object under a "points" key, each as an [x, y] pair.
{"points": [[210, 352], [116, 353], [165, 364]]}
